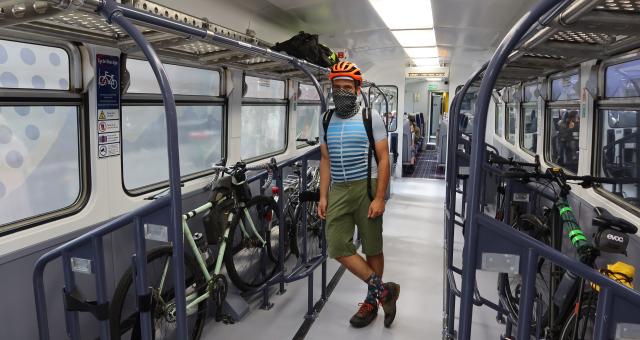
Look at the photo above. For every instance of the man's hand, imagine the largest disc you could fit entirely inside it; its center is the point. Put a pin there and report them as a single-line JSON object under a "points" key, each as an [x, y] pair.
{"points": [[322, 208], [376, 208]]}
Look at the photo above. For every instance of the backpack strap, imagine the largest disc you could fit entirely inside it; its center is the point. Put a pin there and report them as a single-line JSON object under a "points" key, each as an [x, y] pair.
{"points": [[368, 127], [325, 123]]}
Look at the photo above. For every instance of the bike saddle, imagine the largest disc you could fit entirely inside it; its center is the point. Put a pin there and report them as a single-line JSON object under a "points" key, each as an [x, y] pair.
{"points": [[604, 219]]}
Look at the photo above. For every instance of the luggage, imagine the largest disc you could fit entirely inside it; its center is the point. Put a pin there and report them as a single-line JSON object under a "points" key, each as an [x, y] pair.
{"points": [[306, 46]]}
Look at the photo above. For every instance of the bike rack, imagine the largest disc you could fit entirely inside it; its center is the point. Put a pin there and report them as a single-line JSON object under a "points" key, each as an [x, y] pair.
{"points": [[85, 253], [617, 306]]}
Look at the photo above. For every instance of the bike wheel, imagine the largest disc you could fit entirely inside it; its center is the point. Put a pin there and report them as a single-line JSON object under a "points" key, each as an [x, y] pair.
{"points": [[246, 265], [511, 284], [314, 231], [124, 317], [585, 325]]}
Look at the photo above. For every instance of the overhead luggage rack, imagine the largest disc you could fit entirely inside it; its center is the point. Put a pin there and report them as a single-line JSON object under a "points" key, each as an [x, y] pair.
{"points": [[237, 50], [580, 30]]}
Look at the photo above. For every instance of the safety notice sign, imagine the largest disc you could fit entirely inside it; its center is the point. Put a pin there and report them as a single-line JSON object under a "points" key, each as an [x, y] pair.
{"points": [[108, 104], [108, 150]]}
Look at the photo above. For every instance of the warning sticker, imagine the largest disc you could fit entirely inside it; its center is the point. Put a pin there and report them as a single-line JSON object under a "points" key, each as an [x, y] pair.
{"points": [[108, 138], [108, 150], [108, 114], [108, 126]]}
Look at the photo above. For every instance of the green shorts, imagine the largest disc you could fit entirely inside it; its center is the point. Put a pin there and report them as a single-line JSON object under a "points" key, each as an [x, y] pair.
{"points": [[348, 206]]}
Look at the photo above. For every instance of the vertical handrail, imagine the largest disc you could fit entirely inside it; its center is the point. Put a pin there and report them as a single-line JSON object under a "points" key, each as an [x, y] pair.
{"points": [[450, 195], [112, 12], [494, 68]]}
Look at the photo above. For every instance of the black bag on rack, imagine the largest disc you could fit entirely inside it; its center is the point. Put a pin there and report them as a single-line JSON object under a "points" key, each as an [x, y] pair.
{"points": [[306, 46]]}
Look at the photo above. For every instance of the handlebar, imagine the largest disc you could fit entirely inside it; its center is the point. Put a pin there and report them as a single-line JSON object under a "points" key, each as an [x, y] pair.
{"points": [[309, 141], [559, 175], [239, 170]]}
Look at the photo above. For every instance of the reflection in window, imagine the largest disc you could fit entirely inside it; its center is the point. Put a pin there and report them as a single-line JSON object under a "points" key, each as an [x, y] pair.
{"points": [[566, 88], [39, 160], [144, 142], [563, 143], [184, 80], [499, 122], [511, 124], [620, 154], [263, 130], [529, 127], [308, 92], [530, 92], [308, 121], [623, 80], [29, 66], [263, 88]]}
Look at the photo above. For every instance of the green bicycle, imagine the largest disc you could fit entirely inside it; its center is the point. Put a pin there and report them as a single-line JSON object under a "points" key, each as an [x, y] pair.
{"points": [[246, 231]]}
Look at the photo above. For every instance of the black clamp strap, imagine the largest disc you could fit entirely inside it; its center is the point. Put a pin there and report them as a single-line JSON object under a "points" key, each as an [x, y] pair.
{"points": [[145, 303], [73, 302], [309, 196]]}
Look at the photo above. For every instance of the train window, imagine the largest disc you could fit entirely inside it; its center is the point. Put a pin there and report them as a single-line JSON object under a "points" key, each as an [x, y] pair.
{"points": [[619, 155], [529, 119], [623, 80], [308, 121], [529, 127], [144, 148], [499, 121], [511, 123], [264, 130], [39, 161], [255, 87], [184, 80], [30, 66], [563, 126], [565, 88], [308, 92]]}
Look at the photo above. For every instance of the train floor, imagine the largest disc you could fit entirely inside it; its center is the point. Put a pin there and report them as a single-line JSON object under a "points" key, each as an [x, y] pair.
{"points": [[413, 237]]}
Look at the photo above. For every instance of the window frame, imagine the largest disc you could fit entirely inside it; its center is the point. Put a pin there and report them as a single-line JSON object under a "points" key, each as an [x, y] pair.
{"points": [[605, 104], [306, 102], [155, 99], [515, 107], [286, 128], [72, 97], [558, 104], [527, 105]]}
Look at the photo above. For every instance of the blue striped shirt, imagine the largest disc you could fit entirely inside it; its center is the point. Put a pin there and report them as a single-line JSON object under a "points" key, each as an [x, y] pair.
{"points": [[349, 146]]}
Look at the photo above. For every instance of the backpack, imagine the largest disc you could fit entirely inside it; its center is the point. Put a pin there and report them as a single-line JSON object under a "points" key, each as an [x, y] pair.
{"points": [[368, 127], [306, 46]]}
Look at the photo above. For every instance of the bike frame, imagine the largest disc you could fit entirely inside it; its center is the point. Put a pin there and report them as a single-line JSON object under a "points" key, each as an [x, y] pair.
{"points": [[192, 301]]}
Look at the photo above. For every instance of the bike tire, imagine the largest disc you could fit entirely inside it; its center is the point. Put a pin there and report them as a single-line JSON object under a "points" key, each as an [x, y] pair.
{"points": [[244, 256], [314, 231], [511, 283], [124, 299], [567, 328]]}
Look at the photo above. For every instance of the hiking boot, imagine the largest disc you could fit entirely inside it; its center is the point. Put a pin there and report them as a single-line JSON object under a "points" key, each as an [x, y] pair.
{"points": [[388, 302], [364, 315]]}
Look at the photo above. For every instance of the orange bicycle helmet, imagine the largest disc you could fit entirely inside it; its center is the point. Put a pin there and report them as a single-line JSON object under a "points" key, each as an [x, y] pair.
{"points": [[346, 69]]}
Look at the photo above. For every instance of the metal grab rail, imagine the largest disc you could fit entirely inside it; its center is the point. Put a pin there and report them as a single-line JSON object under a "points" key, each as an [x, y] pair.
{"points": [[89, 245], [485, 234]]}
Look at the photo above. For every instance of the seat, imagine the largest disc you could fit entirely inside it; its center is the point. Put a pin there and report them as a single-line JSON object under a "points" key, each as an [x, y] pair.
{"points": [[604, 219]]}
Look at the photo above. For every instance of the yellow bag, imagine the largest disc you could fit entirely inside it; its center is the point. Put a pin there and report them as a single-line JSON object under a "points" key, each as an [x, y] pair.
{"points": [[619, 271]]}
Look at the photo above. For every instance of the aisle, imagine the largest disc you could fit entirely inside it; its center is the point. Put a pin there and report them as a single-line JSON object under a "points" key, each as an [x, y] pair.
{"points": [[413, 236]]}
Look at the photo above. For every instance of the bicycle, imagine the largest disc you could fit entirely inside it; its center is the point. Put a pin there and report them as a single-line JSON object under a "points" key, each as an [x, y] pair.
{"points": [[230, 211], [552, 304], [108, 79], [293, 211]]}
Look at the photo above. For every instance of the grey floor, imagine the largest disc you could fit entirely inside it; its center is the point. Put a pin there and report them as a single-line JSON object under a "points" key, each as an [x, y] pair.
{"points": [[413, 237]]}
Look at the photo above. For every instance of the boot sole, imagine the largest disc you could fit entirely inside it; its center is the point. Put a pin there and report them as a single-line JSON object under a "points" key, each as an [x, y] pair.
{"points": [[388, 319], [356, 325]]}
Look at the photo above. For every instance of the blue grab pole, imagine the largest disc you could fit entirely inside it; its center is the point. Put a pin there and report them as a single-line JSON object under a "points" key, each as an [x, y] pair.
{"points": [[113, 12], [470, 252]]}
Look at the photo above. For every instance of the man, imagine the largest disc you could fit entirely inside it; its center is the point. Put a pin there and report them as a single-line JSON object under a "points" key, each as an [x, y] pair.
{"points": [[345, 162]]}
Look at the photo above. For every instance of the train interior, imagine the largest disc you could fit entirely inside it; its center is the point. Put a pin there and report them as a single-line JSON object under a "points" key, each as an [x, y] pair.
{"points": [[160, 168]]}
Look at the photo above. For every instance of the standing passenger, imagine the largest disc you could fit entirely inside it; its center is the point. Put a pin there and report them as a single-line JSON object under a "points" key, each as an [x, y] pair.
{"points": [[345, 162]]}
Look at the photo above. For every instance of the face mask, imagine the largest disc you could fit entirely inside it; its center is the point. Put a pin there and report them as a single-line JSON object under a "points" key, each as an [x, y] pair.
{"points": [[345, 102]]}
